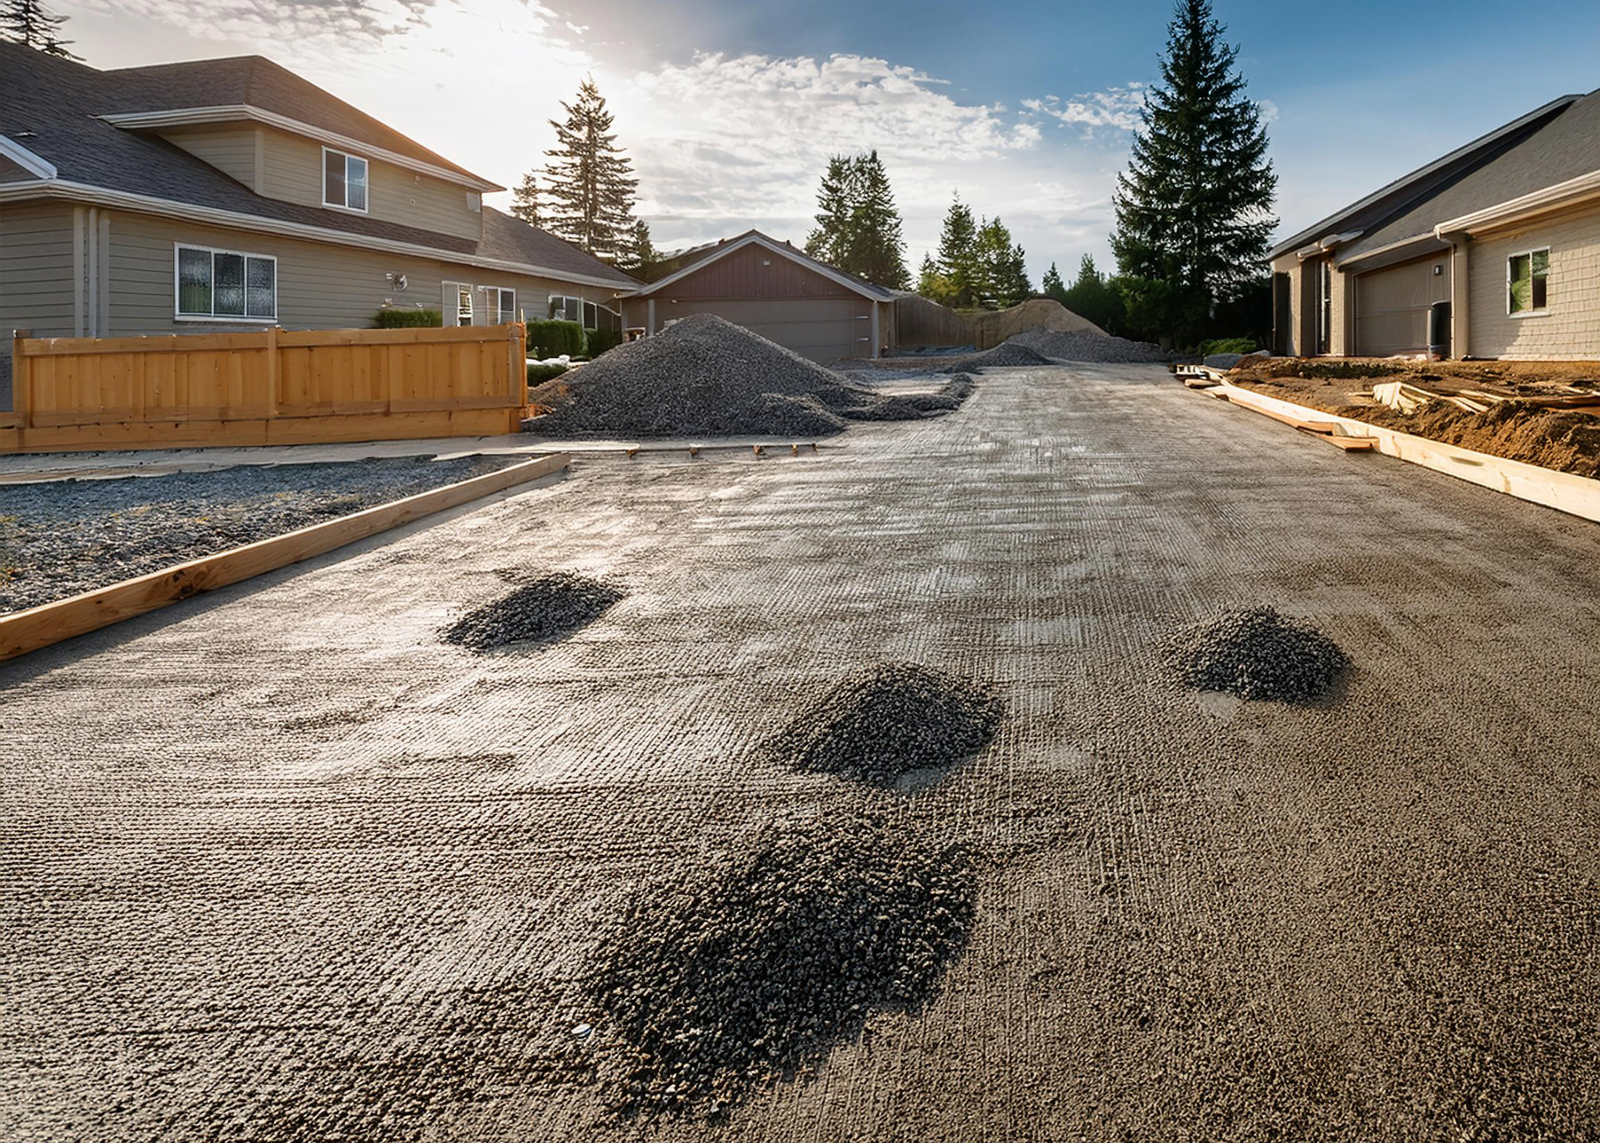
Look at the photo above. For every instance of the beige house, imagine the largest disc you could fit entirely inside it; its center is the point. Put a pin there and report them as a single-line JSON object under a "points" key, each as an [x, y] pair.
{"points": [[1492, 251], [232, 194]]}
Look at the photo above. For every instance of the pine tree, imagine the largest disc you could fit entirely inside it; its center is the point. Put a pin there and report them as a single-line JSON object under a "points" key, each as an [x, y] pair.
{"points": [[525, 199], [1001, 277], [1051, 285], [958, 254], [31, 24], [1194, 208], [858, 225], [1093, 298], [832, 239], [639, 256], [932, 284], [589, 186]]}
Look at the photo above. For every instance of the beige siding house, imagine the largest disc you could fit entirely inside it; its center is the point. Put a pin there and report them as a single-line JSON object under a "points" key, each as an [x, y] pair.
{"points": [[231, 194], [1492, 251]]}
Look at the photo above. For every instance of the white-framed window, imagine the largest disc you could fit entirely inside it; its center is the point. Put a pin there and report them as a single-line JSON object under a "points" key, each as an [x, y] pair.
{"points": [[344, 180], [223, 285], [457, 307], [590, 315], [475, 202], [505, 304], [1528, 282]]}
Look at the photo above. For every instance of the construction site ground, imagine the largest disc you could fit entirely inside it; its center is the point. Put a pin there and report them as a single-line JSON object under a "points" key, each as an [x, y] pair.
{"points": [[279, 864]]}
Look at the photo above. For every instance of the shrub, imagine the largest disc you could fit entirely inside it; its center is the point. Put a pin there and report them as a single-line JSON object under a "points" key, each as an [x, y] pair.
{"points": [[600, 340], [539, 374], [1228, 345], [553, 338], [406, 319]]}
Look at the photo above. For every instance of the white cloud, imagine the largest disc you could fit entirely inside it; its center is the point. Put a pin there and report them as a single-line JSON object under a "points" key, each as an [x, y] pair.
{"points": [[1116, 107]]}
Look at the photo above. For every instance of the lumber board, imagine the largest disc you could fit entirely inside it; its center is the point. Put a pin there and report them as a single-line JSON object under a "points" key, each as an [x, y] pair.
{"points": [[24, 631], [1349, 444], [1302, 423]]}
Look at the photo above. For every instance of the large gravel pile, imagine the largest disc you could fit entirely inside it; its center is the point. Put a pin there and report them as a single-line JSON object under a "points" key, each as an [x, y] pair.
{"points": [[709, 986], [61, 537], [883, 722], [543, 609], [704, 376], [1257, 654], [1005, 355], [1081, 345]]}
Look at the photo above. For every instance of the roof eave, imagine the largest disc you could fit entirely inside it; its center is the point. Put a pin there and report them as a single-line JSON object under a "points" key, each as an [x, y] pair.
{"points": [[755, 238], [1558, 196]]}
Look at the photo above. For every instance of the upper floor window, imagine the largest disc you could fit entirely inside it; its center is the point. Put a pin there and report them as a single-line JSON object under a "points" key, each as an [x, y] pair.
{"points": [[344, 180], [1528, 282], [224, 285]]}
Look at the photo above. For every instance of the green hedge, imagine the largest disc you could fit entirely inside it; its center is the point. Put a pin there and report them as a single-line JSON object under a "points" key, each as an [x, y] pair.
{"points": [[539, 374], [600, 340], [553, 338], [406, 319]]}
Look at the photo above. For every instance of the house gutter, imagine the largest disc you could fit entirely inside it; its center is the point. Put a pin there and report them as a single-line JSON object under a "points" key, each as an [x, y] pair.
{"points": [[1573, 192], [234, 220], [37, 167]]}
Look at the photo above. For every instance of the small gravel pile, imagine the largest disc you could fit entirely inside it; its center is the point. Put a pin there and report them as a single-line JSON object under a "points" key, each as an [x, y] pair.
{"points": [[543, 609], [1081, 345], [887, 721], [704, 376], [765, 959], [1003, 356], [1257, 654]]}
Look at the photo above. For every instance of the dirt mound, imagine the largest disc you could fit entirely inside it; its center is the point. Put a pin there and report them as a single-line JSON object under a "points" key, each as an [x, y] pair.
{"points": [[1565, 440], [1257, 654], [883, 722], [1078, 346], [543, 609], [706, 376], [1000, 357], [992, 327], [768, 957]]}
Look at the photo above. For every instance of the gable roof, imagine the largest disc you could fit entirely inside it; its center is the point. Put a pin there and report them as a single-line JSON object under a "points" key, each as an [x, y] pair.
{"points": [[53, 108], [1409, 190], [696, 259]]}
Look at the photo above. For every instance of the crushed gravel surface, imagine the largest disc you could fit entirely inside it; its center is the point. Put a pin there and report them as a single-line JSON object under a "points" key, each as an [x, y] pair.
{"points": [[1005, 355], [883, 722], [766, 958], [1258, 654], [62, 537], [542, 609], [1084, 346], [706, 376]]}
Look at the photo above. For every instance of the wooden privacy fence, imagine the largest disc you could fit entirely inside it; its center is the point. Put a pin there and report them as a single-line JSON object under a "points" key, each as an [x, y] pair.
{"points": [[273, 386]]}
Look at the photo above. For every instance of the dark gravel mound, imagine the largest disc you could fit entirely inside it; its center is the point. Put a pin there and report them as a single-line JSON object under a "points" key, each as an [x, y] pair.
{"points": [[769, 957], [1084, 346], [1005, 355], [704, 376], [543, 609], [886, 721], [1257, 654]]}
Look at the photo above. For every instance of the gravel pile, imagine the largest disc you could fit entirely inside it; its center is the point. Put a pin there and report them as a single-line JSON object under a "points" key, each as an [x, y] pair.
{"points": [[62, 537], [704, 376], [1084, 346], [764, 959], [1005, 355], [543, 609], [883, 722], [1257, 654]]}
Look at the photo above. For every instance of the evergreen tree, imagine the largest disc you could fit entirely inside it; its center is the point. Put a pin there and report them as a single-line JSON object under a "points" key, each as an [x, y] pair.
{"points": [[932, 284], [639, 256], [958, 254], [1093, 298], [858, 226], [1051, 285], [1194, 208], [1001, 277], [31, 24], [525, 199], [589, 188], [833, 238]]}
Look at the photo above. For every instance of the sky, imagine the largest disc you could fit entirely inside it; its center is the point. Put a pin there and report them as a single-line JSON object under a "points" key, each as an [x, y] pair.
{"points": [[730, 108]]}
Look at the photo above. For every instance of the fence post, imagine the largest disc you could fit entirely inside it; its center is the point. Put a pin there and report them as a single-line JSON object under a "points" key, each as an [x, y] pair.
{"points": [[518, 348], [21, 380], [274, 372]]}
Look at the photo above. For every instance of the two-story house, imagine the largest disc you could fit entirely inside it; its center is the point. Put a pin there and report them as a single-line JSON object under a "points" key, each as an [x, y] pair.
{"points": [[232, 194]]}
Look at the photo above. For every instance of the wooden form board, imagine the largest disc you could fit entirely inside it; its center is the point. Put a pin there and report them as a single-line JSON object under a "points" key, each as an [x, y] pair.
{"points": [[24, 631], [1563, 491]]}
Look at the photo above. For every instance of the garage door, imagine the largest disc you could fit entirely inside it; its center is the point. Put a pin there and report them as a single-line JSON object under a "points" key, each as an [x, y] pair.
{"points": [[823, 329], [1392, 306]]}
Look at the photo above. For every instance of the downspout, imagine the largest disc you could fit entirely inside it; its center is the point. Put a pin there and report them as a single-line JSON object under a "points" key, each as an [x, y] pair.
{"points": [[1460, 294]]}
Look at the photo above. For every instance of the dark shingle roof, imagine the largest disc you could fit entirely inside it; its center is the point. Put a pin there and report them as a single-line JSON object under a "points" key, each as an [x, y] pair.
{"points": [[57, 103], [698, 254]]}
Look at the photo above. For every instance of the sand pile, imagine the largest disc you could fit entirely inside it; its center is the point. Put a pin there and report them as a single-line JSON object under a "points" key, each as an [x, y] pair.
{"points": [[1001, 356], [886, 721], [1257, 654], [991, 327], [546, 607], [1080, 346], [704, 376], [764, 959]]}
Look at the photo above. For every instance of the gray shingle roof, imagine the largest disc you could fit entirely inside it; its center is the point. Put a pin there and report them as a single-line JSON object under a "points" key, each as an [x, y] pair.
{"points": [[699, 254], [57, 103]]}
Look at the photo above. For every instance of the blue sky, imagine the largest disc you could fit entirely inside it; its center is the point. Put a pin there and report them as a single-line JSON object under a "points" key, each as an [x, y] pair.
{"points": [[1025, 109]]}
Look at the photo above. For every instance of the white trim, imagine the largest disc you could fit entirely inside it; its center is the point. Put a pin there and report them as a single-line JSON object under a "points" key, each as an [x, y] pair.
{"points": [[366, 181], [26, 159], [186, 116], [756, 238], [147, 204], [231, 319], [1542, 311], [1554, 197]]}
